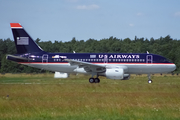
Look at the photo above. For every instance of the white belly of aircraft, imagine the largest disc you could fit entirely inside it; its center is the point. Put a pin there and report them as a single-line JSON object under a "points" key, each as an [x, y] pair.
{"points": [[132, 68]]}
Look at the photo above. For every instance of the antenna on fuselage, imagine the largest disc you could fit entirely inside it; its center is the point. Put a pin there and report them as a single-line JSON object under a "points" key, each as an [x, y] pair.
{"points": [[147, 52], [74, 51]]}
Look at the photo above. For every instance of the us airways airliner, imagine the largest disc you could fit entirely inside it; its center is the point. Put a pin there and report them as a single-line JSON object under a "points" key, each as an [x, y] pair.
{"points": [[111, 65]]}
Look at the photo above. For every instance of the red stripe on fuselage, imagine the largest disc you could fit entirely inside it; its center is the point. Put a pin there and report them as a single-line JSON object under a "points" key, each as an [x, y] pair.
{"points": [[95, 63]]}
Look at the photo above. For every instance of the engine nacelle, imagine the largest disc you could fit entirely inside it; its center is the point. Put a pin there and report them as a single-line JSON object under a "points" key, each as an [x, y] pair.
{"points": [[126, 77], [115, 73], [60, 75]]}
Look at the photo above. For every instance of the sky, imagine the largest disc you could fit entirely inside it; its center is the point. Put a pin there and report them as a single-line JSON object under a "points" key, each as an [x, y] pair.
{"points": [[62, 20]]}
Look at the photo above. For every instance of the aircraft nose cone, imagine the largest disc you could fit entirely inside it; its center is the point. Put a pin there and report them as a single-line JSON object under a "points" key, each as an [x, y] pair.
{"points": [[173, 67]]}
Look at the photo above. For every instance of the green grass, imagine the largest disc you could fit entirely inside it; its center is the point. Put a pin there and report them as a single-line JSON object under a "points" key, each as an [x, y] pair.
{"points": [[41, 97]]}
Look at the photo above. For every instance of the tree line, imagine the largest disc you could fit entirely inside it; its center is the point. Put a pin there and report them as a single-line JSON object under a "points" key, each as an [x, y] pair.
{"points": [[165, 46]]}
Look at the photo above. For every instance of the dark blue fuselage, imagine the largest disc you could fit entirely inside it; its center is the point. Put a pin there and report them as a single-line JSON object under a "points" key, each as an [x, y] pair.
{"points": [[44, 57]]}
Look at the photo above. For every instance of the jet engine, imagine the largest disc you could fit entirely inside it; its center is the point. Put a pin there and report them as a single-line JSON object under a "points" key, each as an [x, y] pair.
{"points": [[61, 75], [126, 77], [116, 74]]}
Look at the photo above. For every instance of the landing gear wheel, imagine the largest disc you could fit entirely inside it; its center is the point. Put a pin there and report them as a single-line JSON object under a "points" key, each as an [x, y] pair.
{"points": [[150, 81], [96, 80], [91, 80]]}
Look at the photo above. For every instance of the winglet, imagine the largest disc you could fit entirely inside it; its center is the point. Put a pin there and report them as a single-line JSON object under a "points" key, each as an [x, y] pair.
{"points": [[15, 25]]}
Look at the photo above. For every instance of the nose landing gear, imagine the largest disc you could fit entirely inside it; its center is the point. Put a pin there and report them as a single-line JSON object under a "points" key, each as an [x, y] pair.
{"points": [[149, 79]]}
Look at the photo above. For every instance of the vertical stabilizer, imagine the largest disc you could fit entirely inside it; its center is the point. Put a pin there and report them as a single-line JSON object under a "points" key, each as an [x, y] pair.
{"points": [[24, 43]]}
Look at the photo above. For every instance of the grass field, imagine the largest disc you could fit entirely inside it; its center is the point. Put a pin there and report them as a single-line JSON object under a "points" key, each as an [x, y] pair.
{"points": [[41, 97]]}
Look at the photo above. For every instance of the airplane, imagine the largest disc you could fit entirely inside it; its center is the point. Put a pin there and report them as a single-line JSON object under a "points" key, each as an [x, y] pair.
{"points": [[117, 66]]}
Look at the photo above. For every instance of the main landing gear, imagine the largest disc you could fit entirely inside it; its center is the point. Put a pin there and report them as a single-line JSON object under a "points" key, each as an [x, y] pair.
{"points": [[149, 79], [94, 80]]}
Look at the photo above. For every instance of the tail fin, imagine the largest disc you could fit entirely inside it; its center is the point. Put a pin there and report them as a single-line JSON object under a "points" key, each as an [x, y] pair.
{"points": [[24, 43]]}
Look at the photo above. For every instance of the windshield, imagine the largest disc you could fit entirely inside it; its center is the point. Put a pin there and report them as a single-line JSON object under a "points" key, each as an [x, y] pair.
{"points": [[164, 60]]}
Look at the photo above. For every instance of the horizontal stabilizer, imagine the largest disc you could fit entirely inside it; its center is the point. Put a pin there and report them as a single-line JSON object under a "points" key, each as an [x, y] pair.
{"points": [[18, 58]]}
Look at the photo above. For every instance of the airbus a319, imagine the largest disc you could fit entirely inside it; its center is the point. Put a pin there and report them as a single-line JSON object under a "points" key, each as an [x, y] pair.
{"points": [[117, 66]]}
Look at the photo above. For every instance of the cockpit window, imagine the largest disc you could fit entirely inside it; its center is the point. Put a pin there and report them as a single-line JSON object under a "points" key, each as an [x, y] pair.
{"points": [[164, 60]]}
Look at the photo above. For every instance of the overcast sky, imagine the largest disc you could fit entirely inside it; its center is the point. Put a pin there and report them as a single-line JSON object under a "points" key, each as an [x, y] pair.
{"points": [[83, 19]]}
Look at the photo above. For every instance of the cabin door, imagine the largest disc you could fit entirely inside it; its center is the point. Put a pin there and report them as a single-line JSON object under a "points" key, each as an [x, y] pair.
{"points": [[149, 59], [45, 58]]}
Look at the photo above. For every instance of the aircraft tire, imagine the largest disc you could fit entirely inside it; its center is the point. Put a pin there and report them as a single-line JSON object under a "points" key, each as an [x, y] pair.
{"points": [[150, 81], [91, 80], [96, 80]]}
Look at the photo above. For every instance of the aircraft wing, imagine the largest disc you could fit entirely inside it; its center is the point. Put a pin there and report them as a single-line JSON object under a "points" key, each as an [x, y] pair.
{"points": [[88, 67]]}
